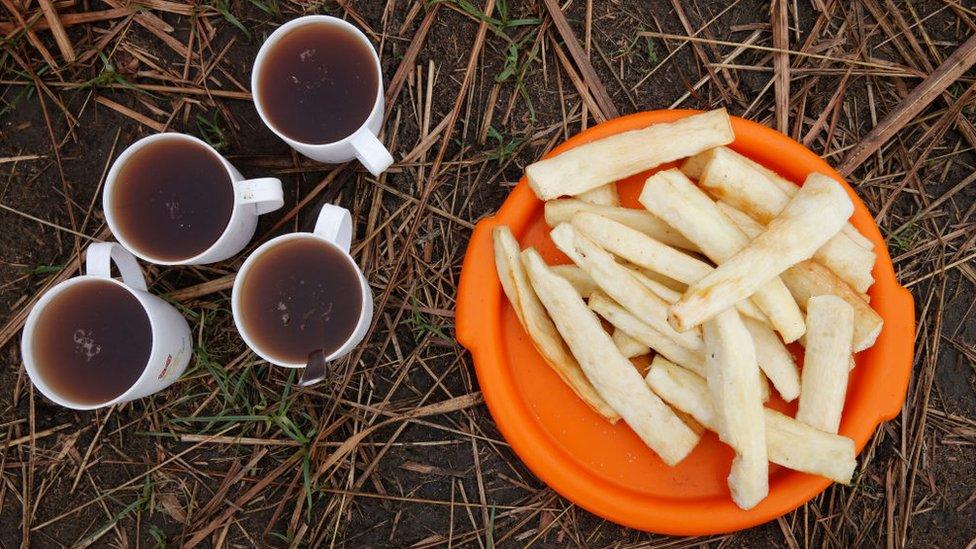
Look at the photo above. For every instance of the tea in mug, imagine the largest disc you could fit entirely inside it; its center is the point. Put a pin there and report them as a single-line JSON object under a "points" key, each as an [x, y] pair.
{"points": [[92, 342], [318, 83], [172, 199], [300, 296]]}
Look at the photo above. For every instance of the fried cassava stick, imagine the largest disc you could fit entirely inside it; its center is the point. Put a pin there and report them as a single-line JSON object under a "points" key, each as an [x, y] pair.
{"points": [[774, 359], [734, 384], [619, 283], [810, 278], [732, 178], [811, 218], [604, 195], [648, 253], [621, 319], [563, 210], [627, 345], [674, 198], [694, 168], [823, 383], [789, 443], [613, 376], [537, 324], [618, 156]]}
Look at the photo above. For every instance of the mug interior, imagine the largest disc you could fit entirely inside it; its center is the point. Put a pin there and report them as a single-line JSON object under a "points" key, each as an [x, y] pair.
{"points": [[111, 198], [240, 295], [268, 48], [42, 376]]}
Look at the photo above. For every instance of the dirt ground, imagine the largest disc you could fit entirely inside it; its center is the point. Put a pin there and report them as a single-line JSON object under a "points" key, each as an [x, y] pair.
{"points": [[338, 463]]}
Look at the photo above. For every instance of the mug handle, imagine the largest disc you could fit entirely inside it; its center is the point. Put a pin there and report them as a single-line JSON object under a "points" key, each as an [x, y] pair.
{"points": [[335, 225], [370, 151], [100, 256], [264, 192]]}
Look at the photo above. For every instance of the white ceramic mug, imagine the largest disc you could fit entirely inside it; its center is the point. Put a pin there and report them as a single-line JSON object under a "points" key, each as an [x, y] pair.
{"points": [[172, 345], [333, 227], [252, 197], [361, 144]]}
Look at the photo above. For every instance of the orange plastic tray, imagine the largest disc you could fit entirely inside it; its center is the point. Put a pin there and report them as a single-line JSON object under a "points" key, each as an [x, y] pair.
{"points": [[606, 469]]}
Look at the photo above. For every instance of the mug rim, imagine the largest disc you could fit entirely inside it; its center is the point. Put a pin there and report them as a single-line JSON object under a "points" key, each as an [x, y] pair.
{"points": [[277, 35], [235, 299], [30, 327], [110, 182]]}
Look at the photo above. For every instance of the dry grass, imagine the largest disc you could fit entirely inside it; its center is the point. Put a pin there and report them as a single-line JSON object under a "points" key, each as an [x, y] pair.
{"points": [[398, 449]]}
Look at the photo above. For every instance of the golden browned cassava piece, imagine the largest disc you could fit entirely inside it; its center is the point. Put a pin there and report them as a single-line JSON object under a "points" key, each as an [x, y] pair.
{"points": [[812, 217], [753, 228], [789, 443], [734, 384], [619, 283], [823, 384], [809, 279], [735, 179], [537, 324], [613, 376], [748, 225], [563, 210], [670, 195], [618, 156], [696, 165]]}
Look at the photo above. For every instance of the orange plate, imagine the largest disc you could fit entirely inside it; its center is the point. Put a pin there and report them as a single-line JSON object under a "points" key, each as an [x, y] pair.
{"points": [[606, 469]]}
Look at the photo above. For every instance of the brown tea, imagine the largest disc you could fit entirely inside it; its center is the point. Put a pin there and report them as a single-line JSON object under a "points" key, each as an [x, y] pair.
{"points": [[92, 342], [299, 296], [318, 83], [172, 199]]}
